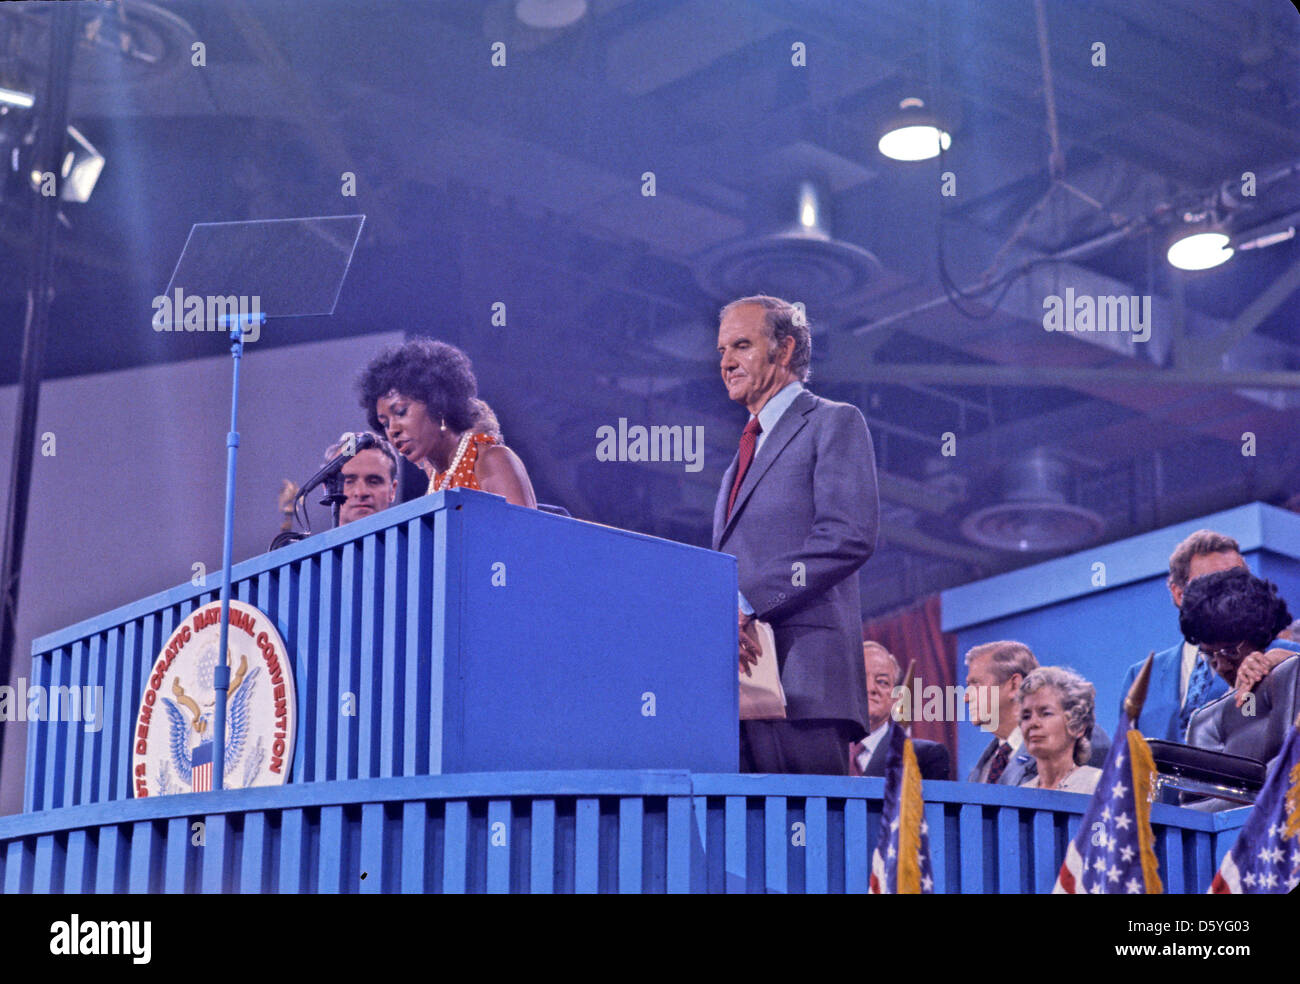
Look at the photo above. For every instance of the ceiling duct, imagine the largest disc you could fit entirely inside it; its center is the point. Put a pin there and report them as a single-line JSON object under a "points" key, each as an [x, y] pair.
{"points": [[123, 41], [1035, 514], [798, 259]]}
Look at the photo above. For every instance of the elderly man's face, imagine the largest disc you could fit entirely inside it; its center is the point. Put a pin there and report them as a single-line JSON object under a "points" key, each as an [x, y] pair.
{"points": [[987, 700], [368, 484], [750, 371], [881, 680]]}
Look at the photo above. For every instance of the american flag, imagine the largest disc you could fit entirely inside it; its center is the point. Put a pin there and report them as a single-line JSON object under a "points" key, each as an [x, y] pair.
{"points": [[202, 762], [900, 864], [1266, 857], [1113, 852]]}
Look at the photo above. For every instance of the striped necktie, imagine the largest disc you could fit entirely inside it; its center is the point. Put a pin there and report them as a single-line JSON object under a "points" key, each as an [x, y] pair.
{"points": [[748, 441], [1198, 687]]}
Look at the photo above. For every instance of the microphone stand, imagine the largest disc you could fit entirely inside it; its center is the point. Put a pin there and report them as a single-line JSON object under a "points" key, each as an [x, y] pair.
{"points": [[334, 496]]}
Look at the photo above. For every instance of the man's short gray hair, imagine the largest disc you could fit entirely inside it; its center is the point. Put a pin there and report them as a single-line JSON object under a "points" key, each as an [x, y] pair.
{"points": [[1202, 543], [1007, 658], [783, 321], [1078, 701], [874, 646]]}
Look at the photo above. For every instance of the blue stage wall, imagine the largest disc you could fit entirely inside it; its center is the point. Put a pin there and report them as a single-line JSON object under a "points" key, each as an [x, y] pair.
{"points": [[1056, 609]]}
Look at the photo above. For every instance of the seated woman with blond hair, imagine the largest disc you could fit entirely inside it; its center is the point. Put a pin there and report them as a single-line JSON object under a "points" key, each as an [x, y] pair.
{"points": [[1056, 719]]}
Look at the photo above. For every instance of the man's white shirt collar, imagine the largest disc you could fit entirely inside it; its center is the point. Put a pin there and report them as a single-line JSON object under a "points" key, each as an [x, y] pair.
{"points": [[1185, 673], [870, 743], [1015, 740], [774, 409]]}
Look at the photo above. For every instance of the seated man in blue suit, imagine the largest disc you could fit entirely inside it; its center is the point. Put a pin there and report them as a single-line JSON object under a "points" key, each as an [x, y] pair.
{"points": [[1181, 681], [867, 757], [1235, 618]]}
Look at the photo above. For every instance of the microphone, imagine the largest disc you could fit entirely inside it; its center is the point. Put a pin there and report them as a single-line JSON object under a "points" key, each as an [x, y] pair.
{"points": [[360, 443]]}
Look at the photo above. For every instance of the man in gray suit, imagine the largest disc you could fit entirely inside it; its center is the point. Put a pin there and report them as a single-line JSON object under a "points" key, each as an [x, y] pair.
{"points": [[798, 508]]}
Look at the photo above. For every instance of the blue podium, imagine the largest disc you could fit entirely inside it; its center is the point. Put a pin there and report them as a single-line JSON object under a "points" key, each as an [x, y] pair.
{"points": [[493, 699], [453, 633]]}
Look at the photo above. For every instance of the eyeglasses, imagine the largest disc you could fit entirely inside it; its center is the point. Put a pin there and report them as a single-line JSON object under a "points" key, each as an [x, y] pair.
{"points": [[1227, 653]]}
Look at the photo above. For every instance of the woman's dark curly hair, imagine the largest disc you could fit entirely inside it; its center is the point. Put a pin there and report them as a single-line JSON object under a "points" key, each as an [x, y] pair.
{"points": [[1232, 606], [437, 374]]}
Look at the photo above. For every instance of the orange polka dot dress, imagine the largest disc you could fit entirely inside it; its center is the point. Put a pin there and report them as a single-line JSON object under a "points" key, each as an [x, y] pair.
{"points": [[463, 477]]}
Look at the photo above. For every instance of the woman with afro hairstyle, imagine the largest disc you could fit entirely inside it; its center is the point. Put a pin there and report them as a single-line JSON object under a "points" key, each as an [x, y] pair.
{"points": [[422, 396], [1235, 618]]}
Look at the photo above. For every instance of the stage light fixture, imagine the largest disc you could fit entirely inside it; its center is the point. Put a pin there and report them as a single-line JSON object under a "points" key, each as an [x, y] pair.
{"points": [[1201, 245], [550, 14], [914, 135], [81, 167], [16, 97]]}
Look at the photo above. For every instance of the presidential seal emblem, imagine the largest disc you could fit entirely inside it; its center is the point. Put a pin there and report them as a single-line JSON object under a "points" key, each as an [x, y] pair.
{"points": [[173, 733]]}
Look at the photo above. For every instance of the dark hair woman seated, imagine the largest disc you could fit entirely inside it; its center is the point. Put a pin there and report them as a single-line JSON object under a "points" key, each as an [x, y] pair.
{"points": [[422, 397], [1235, 618]]}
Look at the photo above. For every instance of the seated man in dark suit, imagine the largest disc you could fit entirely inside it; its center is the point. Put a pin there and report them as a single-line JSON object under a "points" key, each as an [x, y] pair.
{"points": [[867, 757], [1235, 618]]}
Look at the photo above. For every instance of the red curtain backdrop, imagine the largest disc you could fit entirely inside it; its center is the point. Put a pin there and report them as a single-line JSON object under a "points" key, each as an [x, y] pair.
{"points": [[914, 634]]}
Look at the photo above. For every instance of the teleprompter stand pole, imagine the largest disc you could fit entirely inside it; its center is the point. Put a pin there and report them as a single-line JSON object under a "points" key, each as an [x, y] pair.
{"points": [[221, 673]]}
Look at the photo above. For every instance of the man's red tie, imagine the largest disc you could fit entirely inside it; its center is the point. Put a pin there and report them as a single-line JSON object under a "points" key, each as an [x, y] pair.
{"points": [[998, 764], [748, 441]]}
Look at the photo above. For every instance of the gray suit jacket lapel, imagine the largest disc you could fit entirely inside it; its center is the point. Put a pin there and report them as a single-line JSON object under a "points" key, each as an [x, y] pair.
{"points": [[1020, 769], [985, 755], [791, 422], [720, 507]]}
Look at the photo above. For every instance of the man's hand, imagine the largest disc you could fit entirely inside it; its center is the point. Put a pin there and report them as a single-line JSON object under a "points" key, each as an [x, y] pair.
{"points": [[1254, 668], [749, 646]]}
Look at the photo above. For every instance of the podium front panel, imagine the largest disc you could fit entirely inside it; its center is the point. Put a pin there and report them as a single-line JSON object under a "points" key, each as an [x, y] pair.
{"points": [[451, 633]]}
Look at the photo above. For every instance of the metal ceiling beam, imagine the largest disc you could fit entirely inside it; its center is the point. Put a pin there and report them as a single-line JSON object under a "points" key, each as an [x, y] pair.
{"points": [[1050, 377], [915, 540], [917, 495], [302, 102], [1253, 315], [1058, 429]]}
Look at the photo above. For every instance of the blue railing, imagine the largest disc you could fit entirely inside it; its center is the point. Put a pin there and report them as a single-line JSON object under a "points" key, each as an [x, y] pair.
{"points": [[560, 832]]}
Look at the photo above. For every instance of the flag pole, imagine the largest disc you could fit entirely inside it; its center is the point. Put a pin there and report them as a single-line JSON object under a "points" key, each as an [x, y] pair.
{"points": [[1137, 694]]}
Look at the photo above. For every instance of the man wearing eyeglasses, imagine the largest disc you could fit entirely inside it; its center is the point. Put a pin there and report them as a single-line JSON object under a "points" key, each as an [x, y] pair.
{"points": [[1181, 679]]}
